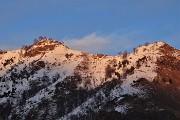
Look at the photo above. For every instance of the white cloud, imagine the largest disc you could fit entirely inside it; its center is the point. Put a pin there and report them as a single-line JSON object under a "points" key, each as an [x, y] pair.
{"points": [[90, 43], [110, 44]]}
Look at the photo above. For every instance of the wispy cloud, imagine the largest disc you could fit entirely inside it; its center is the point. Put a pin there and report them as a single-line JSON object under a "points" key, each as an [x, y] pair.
{"points": [[90, 43], [107, 44]]}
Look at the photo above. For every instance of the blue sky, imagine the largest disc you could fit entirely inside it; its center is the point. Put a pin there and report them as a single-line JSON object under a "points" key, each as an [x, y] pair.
{"points": [[95, 26]]}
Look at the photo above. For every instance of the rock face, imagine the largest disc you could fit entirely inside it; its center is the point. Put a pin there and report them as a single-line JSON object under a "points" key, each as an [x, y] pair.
{"points": [[47, 80]]}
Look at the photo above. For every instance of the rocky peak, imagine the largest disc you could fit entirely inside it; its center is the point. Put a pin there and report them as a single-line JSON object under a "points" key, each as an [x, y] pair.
{"points": [[47, 41], [150, 48], [42, 46], [169, 66]]}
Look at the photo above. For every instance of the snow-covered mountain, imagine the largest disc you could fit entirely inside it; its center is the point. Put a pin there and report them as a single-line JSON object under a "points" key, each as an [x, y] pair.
{"points": [[47, 80]]}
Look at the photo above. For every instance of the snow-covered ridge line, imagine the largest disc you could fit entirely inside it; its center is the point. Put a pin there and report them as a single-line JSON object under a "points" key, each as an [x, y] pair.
{"points": [[53, 72]]}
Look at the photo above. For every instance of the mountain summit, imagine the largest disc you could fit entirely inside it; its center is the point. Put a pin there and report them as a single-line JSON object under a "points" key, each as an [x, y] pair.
{"points": [[47, 80]]}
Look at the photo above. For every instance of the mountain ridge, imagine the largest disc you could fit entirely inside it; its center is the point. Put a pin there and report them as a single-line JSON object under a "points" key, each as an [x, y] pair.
{"points": [[47, 80]]}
